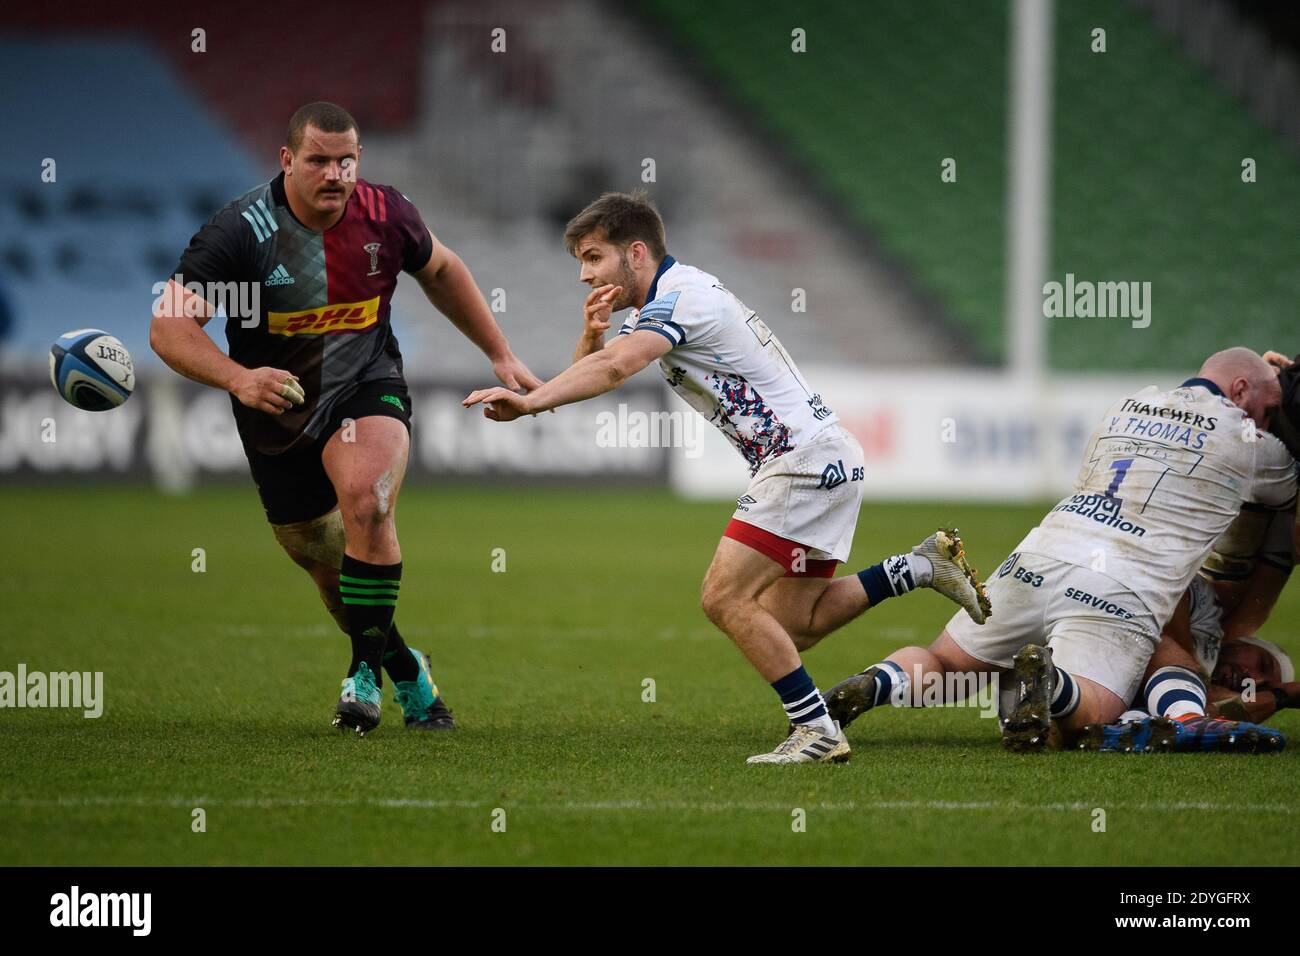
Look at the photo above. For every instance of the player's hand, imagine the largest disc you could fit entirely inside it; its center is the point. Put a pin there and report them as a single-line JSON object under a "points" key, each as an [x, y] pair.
{"points": [[1277, 360], [499, 404], [514, 374], [598, 308], [270, 390]]}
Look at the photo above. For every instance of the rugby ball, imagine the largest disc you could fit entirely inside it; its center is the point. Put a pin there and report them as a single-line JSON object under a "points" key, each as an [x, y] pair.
{"points": [[91, 370]]}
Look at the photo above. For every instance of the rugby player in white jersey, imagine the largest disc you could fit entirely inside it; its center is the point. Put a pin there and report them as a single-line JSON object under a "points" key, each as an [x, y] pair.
{"points": [[1210, 660], [1083, 599], [769, 586]]}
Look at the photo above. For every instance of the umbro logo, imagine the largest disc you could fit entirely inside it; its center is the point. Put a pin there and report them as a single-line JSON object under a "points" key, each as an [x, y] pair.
{"points": [[744, 501], [1010, 563], [280, 276], [833, 475]]}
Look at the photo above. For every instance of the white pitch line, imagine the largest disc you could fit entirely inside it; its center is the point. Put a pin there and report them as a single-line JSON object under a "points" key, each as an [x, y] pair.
{"points": [[269, 803]]}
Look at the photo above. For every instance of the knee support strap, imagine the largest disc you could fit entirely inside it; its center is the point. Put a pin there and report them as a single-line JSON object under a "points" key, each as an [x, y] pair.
{"points": [[320, 539]]}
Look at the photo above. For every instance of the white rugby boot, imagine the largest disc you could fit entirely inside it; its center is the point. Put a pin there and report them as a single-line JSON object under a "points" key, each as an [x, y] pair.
{"points": [[807, 744], [952, 576]]}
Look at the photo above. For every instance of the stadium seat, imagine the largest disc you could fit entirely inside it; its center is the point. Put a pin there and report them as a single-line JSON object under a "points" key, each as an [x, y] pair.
{"points": [[1146, 169]]}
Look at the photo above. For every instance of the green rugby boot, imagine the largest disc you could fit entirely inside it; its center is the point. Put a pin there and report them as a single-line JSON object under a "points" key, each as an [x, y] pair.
{"points": [[358, 706], [422, 705]]}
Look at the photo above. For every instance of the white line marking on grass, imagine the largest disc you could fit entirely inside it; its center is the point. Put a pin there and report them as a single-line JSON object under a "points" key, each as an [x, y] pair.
{"points": [[400, 803]]}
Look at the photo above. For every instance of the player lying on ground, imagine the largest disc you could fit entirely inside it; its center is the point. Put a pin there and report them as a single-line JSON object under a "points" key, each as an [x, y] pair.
{"points": [[317, 386], [1209, 661], [1082, 601], [769, 585], [1208, 664]]}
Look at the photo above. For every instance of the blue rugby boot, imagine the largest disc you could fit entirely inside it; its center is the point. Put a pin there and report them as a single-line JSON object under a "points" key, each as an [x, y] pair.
{"points": [[1146, 735], [1190, 734], [422, 705], [358, 705], [1197, 734]]}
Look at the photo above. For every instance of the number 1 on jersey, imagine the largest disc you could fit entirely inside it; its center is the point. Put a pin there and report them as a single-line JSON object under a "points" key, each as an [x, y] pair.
{"points": [[1121, 469]]}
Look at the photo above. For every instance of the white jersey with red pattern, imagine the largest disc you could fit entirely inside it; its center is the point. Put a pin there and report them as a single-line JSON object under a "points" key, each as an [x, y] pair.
{"points": [[728, 365]]}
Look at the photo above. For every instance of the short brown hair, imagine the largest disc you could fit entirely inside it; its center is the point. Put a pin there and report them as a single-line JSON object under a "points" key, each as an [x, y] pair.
{"points": [[620, 218], [326, 117]]}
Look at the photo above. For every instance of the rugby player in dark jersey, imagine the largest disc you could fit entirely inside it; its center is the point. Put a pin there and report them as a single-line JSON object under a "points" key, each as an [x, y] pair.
{"points": [[316, 381]]}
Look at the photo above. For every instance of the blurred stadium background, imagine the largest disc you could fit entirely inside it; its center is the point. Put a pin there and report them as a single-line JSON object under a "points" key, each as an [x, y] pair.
{"points": [[809, 181]]}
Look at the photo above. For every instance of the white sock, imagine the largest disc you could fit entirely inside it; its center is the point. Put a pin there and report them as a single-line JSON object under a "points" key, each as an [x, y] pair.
{"points": [[922, 570], [825, 725], [1175, 692]]}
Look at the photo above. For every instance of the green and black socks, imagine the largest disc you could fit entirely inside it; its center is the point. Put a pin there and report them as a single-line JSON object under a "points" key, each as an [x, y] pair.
{"points": [[398, 659], [369, 592]]}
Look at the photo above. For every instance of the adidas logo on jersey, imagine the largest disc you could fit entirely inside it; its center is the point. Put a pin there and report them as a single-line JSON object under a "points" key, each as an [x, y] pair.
{"points": [[280, 276]]}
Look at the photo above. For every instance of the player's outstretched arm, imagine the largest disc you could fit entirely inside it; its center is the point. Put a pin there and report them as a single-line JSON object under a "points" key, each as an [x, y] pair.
{"points": [[594, 375], [1263, 702], [176, 334], [448, 284]]}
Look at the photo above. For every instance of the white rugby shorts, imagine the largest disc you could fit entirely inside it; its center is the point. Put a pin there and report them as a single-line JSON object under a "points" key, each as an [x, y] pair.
{"points": [[1097, 629], [801, 509]]}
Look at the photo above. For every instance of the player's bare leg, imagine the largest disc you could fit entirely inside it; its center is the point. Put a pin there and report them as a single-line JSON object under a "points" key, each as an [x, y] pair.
{"points": [[729, 596], [317, 547], [1096, 704], [736, 579], [811, 608], [900, 677], [1173, 685], [367, 473], [366, 464]]}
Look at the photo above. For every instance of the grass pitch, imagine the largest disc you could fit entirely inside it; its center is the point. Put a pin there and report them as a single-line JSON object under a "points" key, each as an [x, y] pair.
{"points": [[219, 689]]}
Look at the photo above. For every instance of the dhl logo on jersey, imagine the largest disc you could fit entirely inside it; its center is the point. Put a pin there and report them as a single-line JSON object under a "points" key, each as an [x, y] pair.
{"points": [[336, 317]]}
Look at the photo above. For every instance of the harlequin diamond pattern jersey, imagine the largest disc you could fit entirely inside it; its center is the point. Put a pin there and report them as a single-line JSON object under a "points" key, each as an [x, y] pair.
{"points": [[324, 297]]}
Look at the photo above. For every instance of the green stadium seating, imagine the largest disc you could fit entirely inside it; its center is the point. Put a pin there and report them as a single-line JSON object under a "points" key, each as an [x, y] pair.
{"points": [[1146, 172]]}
